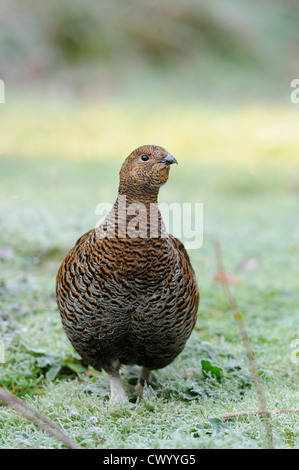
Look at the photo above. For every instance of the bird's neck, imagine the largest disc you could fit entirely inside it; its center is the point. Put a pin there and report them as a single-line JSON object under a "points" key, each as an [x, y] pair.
{"points": [[144, 195], [135, 215]]}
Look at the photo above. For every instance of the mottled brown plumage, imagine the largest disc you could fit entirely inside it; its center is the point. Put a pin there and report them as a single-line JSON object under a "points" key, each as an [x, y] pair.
{"points": [[126, 291]]}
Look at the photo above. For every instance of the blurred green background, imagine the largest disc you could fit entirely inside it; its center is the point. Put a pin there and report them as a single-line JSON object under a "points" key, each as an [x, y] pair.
{"points": [[86, 82], [183, 50], [97, 79]]}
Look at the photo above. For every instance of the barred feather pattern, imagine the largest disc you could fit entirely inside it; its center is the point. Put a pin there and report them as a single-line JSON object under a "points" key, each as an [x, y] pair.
{"points": [[129, 300]]}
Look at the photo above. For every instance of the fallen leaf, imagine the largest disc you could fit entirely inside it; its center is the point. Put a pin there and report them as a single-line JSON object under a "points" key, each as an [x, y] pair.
{"points": [[223, 277], [250, 264], [6, 252]]}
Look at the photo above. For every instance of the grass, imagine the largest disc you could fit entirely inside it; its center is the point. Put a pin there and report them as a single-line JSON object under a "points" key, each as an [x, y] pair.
{"points": [[243, 165]]}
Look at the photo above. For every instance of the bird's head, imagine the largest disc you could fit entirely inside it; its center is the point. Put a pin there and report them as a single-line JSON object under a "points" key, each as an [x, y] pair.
{"points": [[145, 169]]}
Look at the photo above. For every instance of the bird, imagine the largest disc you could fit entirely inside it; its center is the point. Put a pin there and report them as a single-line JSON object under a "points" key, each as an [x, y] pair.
{"points": [[127, 292]]}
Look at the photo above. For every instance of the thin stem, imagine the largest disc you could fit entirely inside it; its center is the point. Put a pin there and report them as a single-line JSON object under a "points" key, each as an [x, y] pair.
{"points": [[244, 337]]}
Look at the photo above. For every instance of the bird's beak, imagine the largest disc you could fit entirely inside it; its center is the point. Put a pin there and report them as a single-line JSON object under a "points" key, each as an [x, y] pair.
{"points": [[168, 160]]}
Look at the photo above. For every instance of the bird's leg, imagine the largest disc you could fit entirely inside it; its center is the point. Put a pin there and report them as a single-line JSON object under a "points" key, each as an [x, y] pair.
{"points": [[117, 392], [144, 379]]}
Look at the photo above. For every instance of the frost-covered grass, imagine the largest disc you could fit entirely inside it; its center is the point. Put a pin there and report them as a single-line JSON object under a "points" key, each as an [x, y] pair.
{"points": [[242, 167]]}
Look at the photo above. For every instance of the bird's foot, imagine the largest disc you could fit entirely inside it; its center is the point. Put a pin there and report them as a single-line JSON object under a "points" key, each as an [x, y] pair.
{"points": [[117, 392], [144, 381]]}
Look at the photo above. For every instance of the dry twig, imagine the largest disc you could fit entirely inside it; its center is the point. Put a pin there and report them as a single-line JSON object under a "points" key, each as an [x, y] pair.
{"points": [[250, 413], [40, 420], [244, 337]]}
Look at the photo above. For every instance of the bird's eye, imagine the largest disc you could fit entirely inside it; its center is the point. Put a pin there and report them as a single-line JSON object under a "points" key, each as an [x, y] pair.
{"points": [[144, 158]]}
